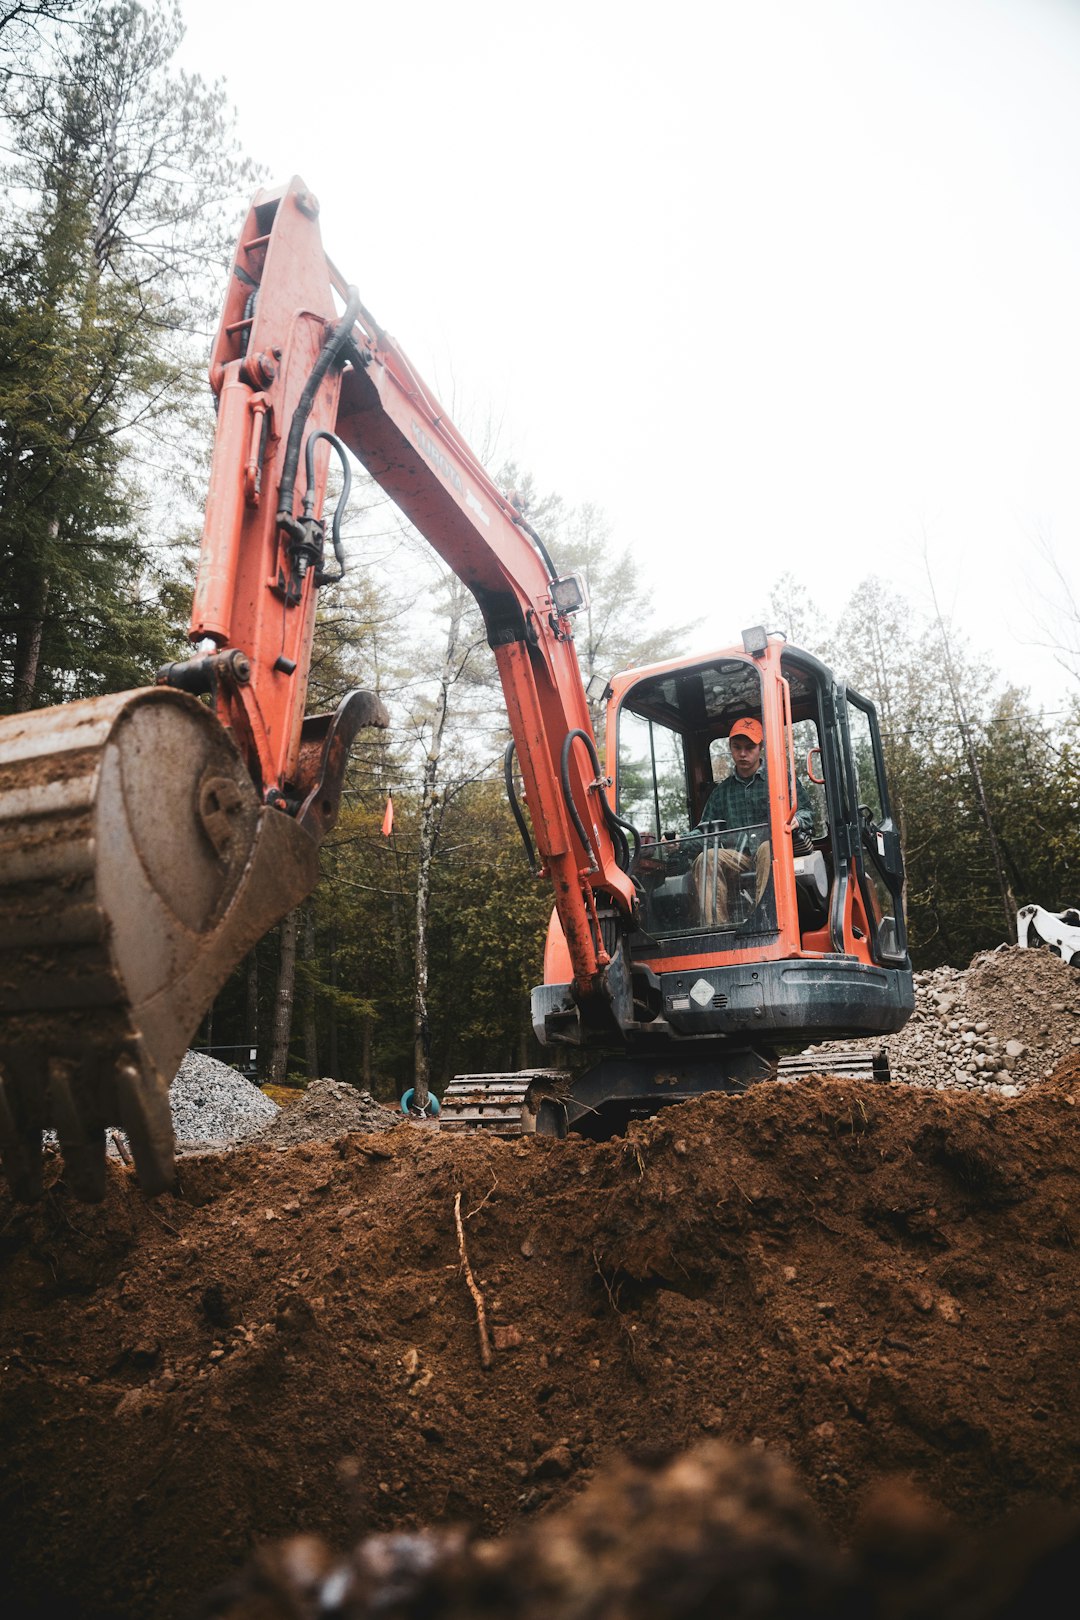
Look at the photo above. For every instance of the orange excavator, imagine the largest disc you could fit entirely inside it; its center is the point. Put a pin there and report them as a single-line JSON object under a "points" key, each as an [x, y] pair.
{"points": [[149, 839]]}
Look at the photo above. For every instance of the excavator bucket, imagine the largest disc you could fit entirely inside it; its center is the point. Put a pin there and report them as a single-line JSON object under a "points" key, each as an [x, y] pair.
{"points": [[137, 868]]}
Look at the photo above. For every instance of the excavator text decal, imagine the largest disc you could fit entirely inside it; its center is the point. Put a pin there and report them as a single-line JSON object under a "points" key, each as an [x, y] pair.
{"points": [[431, 452]]}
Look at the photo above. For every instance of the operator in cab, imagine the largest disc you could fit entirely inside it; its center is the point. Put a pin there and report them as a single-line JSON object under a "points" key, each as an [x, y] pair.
{"points": [[737, 813]]}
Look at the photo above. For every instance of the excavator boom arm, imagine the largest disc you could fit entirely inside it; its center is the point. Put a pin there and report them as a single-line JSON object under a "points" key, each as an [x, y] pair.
{"points": [[279, 322]]}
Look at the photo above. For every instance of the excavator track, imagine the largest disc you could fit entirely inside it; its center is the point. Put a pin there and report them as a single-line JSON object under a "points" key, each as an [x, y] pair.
{"points": [[498, 1103], [846, 1062], [137, 867], [490, 1102]]}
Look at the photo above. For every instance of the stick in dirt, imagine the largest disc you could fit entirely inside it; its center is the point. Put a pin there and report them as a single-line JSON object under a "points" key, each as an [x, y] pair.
{"points": [[478, 1298]]}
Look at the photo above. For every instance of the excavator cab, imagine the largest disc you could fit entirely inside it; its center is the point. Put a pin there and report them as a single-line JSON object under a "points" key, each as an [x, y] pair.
{"points": [[706, 879], [779, 924]]}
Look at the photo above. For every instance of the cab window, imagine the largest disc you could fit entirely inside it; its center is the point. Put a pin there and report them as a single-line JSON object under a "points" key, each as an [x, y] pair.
{"points": [[672, 751]]}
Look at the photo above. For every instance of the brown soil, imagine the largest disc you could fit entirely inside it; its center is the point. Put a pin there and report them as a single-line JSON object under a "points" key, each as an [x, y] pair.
{"points": [[864, 1281]]}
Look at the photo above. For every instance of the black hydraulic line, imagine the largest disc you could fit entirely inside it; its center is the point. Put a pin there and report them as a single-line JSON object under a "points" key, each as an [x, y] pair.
{"points": [[322, 578], [618, 828], [615, 825], [511, 794], [334, 346], [249, 315], [564, 773], [524, 523]]}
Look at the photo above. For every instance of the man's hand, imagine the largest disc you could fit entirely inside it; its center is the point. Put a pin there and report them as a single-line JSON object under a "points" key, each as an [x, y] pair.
{"points": [[802, 840]]}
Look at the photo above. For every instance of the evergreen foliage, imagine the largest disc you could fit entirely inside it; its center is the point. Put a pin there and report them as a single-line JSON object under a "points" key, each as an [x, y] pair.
{"points": [[112, 214], [937, 733]]}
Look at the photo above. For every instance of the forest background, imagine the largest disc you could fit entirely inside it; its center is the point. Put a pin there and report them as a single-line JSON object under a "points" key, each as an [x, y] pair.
{"points": [[123, 186]]}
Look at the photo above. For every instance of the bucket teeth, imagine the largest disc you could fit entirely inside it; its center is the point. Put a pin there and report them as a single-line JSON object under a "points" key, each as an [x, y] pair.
{"points": [[143, 1103], [79, 1127], [122, 918], [20, 1130]]}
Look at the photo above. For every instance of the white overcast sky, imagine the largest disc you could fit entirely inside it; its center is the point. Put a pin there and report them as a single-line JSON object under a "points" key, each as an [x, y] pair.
{"points": [[781, 285]]}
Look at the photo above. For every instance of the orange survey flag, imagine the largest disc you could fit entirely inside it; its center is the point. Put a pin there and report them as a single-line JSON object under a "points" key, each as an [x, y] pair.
{"points": [[388, 818]]}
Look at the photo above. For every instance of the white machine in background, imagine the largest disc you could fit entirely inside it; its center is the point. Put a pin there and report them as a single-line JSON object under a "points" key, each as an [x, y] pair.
{"points": [[1059, 930]]}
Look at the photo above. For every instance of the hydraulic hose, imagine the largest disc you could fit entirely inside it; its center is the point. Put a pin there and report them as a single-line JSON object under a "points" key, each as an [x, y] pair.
{"points": [[330, 351], [322, 578], [615, 825], [515, 807]]}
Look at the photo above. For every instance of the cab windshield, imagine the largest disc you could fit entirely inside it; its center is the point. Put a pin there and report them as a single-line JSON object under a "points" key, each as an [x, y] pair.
{"points": [[695, 875]]}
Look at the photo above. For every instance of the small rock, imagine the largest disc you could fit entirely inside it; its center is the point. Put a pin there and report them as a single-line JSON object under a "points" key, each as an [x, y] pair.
{"points": [[554, 1464], [133, 1404], [506, 1338]]}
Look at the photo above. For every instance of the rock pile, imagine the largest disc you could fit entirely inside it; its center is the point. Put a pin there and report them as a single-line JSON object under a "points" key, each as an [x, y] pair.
{"points": [[1000, 1025]]}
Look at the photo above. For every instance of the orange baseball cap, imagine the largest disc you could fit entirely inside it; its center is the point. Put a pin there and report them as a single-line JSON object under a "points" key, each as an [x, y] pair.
{"points": [[746, 727]]}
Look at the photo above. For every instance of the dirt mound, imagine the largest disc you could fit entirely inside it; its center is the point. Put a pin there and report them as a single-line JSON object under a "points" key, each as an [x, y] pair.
{"points": [[861, 1280], [327, 1109]]}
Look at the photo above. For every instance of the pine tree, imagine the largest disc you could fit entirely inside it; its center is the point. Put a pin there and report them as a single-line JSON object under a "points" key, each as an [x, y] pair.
{"points": [[112, 211]]}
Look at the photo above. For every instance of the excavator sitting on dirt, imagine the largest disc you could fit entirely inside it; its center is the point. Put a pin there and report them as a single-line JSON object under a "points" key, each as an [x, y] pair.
{"points": [[148, 839]]}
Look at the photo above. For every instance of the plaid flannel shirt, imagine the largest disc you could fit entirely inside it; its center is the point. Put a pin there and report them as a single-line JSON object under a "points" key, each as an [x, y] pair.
{"points": [[746, 804]]}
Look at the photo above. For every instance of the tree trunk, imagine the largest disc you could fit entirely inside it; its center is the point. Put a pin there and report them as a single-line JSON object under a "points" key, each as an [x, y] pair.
{"points": [[28, 641], [252, 1010], [333, 1064], [430, 819], [311, 1033], [421, 1031], [283, 998], [365, 1052]]}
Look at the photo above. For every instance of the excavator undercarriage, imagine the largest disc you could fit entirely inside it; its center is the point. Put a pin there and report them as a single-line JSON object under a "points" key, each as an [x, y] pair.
{"points": [[544, 1102]]}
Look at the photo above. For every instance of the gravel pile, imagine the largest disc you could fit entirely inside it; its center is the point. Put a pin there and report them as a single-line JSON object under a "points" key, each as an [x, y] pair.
{"points": [[1000, 1025], [213, 1106]]}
